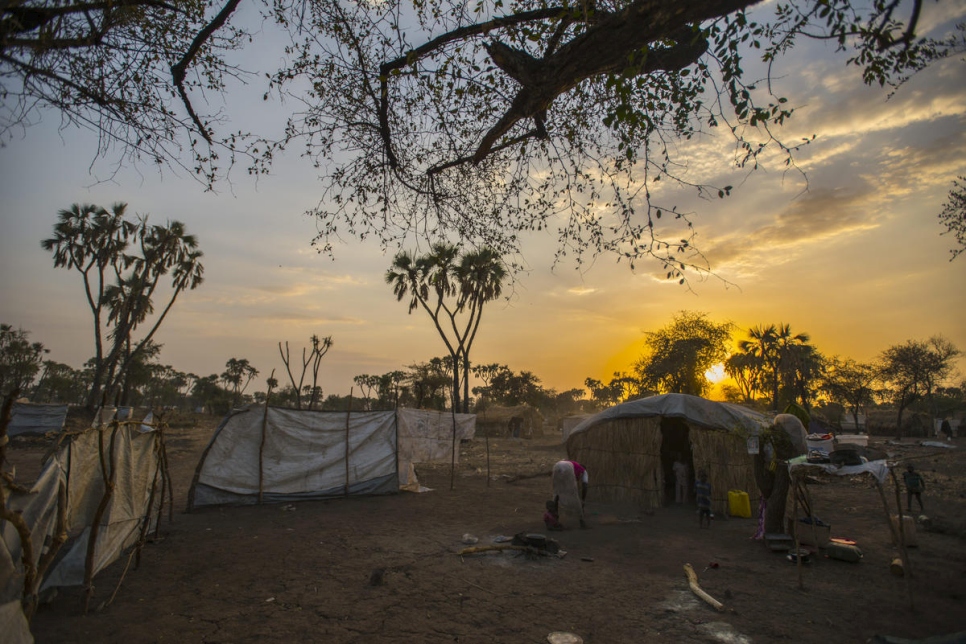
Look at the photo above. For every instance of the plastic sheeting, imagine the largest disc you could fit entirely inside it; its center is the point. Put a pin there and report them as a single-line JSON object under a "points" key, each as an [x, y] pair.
{"points": [[36, 419], [427, 437], [304, 453], [878, 469], [693, 409], [136, 464], [73, 477]]}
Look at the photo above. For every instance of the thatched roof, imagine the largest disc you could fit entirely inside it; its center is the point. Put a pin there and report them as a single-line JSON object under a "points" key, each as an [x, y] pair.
{"points": [[505, 414], [693, 409]]}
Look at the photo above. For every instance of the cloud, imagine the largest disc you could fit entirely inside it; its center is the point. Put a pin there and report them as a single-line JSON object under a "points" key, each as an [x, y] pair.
{"points": [[815, 217]]}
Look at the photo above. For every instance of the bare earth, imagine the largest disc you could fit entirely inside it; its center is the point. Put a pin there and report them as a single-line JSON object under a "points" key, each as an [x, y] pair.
{"points": [[386, 569]]}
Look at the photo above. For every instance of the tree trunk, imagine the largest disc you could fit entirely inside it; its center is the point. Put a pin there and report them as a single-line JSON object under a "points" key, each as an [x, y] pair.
{"points": [[777, 501]]}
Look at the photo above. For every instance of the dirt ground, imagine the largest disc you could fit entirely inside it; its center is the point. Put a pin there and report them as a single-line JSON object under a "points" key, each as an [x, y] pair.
{"points": [[386, 569]]}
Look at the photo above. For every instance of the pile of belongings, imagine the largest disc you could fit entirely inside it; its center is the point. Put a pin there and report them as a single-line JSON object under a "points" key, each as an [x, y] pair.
{"points": [[820, 446]]}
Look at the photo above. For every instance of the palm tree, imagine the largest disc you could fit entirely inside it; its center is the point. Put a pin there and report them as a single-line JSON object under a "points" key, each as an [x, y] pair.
{"points": [[235, 372], [92, 241], [745, 369], [480, 276], [793, 353], [761, 345], [779, 355], [452, 289]]}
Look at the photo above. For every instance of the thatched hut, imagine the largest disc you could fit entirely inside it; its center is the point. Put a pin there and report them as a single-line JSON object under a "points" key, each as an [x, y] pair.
{"points": [[521, 421], [882, 422], [629, 449]]}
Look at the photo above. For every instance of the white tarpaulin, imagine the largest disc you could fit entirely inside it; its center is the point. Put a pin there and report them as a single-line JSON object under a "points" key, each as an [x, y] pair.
{"points": [[136, 464], [71, 484], [878, 469], [304, 453], [30, 418], [427, 437]]}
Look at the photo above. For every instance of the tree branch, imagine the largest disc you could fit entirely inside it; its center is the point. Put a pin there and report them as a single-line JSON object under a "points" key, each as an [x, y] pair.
{"points": [[180, 68]]}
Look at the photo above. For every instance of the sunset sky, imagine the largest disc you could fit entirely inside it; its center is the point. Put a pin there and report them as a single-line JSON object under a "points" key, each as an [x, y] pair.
{"points": [[854, 258]]}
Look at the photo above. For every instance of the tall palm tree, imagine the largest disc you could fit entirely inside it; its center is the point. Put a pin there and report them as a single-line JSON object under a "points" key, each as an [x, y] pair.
{"points": [[479, 276], [762, 345], [119, 284], [793, 351], [92, 241], [453, 290]]}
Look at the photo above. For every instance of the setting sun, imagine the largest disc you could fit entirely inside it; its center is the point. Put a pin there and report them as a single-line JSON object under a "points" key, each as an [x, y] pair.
{"points": [[715, 374]]}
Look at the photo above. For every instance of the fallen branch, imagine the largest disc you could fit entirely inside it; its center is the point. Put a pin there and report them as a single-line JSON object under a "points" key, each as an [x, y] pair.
{"points": [[696, 589]]}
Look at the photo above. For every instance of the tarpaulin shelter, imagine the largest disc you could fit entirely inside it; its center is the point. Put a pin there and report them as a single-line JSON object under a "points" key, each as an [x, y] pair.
{"points": [[276, 455], [36, 419], [98, 495], [628, 449]]}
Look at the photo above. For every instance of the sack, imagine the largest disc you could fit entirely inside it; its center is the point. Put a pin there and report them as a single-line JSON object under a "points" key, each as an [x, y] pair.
{"points": [[843, 552]]}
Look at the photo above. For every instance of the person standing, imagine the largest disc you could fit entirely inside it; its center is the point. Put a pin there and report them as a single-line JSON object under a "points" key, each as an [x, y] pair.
{"points": [[682, 479], [915, 486], [570, 482], [946, 430], [702, 490]]}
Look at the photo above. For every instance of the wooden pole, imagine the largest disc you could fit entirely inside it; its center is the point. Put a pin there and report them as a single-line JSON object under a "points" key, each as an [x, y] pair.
{"points": [[811, 513], [903, 555], [347, 415], [29, 597], [395, 428], [698, 591], [452, 463], [261, 445], [109, 482], [798, 554], [486, 437]]}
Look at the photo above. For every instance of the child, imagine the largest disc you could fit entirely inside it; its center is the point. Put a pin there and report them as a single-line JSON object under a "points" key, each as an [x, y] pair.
{"points": [[551, 517], [915, 485], [702, 490]]}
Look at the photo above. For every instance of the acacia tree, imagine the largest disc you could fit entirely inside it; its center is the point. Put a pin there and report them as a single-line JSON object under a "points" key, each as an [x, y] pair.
{"points": [[678, 355], [428, 383], [850, 382], [914, 369], [953, 216], [452, 289], [61, 383], [20, 359], [122, 264], [480, 119]]}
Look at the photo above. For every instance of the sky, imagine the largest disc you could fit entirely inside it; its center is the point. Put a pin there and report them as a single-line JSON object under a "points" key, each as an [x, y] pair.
{"points": [[848, 250]]}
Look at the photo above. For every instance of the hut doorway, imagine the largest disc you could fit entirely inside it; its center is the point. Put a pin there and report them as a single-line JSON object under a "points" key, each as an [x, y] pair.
{"points": [[675, 443]]}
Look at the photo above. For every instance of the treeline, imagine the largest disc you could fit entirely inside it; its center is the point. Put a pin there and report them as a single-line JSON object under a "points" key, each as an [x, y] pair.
{"points": [[769, 367]]}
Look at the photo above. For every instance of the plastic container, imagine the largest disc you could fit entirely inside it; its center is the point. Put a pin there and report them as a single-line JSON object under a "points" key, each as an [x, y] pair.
{"points": [[819, 446], [738, 504]]}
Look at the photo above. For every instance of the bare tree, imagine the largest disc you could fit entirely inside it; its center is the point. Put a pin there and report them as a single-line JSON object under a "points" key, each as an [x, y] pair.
{"points": [[311, 359]]}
